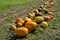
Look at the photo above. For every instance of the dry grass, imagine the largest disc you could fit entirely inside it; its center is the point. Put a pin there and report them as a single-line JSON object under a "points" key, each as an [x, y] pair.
{"points": [[8, 16]]}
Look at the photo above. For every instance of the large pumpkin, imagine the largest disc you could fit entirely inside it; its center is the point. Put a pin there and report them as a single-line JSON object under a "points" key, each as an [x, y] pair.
{"points": [[39, 19], [22, 31], [31, 25]]}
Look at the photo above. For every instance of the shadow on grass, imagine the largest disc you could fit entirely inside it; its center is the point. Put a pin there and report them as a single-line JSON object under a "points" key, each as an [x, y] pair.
{"points": [[16, 38]]}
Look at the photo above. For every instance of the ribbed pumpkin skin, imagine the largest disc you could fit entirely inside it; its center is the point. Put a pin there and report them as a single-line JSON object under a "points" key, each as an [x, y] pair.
{"points": [[22, 31], [31, 25]]}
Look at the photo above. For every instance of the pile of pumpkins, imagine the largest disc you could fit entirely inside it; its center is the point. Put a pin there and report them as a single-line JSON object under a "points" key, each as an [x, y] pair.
{"points": [[29, 23]]}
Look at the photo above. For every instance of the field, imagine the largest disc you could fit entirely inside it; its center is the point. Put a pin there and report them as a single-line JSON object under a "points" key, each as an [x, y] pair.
{"points": [[8, 3], [9, 15]]}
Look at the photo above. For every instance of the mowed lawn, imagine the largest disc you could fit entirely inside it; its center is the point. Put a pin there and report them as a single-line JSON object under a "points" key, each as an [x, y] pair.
{"points": [[8, 3]]}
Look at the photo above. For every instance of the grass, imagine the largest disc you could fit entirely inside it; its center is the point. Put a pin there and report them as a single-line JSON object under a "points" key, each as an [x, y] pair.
{"points": [[4, 4], [8, 17]]}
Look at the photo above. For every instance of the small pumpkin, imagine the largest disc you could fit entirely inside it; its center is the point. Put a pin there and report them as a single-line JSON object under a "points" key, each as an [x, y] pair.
{"points": [[52, 3], [31, 25], [36, 11], [20, 22], [13, 27], [39, 19], [51, 16], [47, 18], [27, 19], [22, 31], [46, 2], [44, 24], [43, 8], [38, 14], [49, 13], [31, 15]]}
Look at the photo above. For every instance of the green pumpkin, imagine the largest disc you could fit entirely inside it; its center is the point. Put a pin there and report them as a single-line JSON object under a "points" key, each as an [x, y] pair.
{"points": [[39, 19]]}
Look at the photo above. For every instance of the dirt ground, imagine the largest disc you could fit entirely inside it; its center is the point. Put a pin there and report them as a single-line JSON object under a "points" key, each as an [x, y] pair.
{"points": [[8, 17]]}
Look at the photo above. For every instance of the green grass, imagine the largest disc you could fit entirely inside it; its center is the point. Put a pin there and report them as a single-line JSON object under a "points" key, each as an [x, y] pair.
{"points": [[8, 3]]}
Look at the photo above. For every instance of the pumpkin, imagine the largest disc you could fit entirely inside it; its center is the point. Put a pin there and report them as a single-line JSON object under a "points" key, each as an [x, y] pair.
{"points": [[43, 8], [31, 15], [39, 19], [13, 27], [38, 14], [31, 25], [51, 16], [49, 13], [22, 31], [46, 3], [27, 19], [47, 18], [52, 3], [36, 11], [44, 24], [20, 22]]}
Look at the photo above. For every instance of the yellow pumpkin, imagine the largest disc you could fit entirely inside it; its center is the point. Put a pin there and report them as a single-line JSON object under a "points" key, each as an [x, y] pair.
{"points": [[31, 15], [49, 4], [52, 3], [27, 19], [36, 11], [22, 31], [13, 27], [49, 13], [31, 25], [46, 3], [44, 24], [43, 8]]}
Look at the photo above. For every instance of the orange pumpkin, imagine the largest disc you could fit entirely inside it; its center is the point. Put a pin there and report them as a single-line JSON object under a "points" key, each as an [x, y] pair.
{"points": [[31, 25], [50, 16], [20, 22], [22, 31], [13, 27], [47, 18], [31, 15]]}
